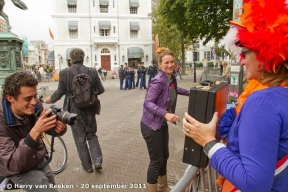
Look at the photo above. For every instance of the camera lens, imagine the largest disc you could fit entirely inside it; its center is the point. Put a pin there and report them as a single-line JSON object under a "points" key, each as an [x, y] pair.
{"points": [[66, 117]]}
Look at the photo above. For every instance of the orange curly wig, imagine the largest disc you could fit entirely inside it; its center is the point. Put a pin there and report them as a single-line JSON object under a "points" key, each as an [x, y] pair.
{"points": [[265, 30]]}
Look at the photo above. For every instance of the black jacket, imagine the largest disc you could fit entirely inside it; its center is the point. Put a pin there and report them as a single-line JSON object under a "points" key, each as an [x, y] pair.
{"points": [[65, 87]]}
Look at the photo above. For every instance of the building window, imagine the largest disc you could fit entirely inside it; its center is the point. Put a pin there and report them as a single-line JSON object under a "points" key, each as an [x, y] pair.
{"points": [[72, 8], [133, 34], [104, 32], [115, 58], [103, 8], [114, 29], [73, 33], [113, 3], [95, 58], [93, 3], [207, 55], [105, 50], [133, 10]]}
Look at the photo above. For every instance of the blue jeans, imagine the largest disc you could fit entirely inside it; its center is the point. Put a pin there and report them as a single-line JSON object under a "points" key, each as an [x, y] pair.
{"points": [[128, 79], [143, 82], [178, 73], [138, 79], [121, 82], [151, 76], [132, 82]]}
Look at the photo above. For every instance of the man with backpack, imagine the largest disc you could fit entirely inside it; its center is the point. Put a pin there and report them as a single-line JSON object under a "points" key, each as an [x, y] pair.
{"points": [[81, 85]]}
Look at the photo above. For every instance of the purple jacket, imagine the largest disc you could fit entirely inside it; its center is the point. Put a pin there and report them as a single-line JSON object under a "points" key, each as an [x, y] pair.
{"points": [[157, 99]]}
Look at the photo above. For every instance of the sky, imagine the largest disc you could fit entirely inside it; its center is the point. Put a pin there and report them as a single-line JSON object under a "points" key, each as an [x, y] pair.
{"points": [[33, 23]]}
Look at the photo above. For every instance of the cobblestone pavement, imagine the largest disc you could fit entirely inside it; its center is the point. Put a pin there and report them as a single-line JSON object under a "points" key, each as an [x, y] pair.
{"points": [[125, 156]]}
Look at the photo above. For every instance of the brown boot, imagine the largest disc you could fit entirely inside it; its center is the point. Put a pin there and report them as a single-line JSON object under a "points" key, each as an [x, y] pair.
{"points": [[162, 184], [151, 187]]}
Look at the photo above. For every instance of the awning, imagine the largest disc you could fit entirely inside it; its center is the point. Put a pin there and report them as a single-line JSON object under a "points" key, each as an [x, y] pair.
{"points": [[104, 25], [51, 56], [68, 52], [134, 3], [104, 2], [134, 25], [73, 25], [135, 52], [72, 2]]}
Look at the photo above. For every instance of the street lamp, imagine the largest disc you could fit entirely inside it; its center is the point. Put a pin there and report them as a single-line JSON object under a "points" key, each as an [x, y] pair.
{"points": [[195, 45], [60, 60], [147, 57]]}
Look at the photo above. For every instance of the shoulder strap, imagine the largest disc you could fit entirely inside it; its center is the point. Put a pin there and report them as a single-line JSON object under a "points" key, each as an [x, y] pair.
{"points": [[73, 70], [86, 70]]}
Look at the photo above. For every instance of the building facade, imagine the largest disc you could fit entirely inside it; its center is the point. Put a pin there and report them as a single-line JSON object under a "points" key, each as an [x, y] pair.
{"points": [[3, 25], [110, 32]]}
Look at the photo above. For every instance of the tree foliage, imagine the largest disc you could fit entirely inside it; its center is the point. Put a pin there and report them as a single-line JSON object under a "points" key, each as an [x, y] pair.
{"points": [[195, 19]]}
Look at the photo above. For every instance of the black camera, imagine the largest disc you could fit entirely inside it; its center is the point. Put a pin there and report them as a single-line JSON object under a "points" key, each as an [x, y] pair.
{"points": [[63, 116]]}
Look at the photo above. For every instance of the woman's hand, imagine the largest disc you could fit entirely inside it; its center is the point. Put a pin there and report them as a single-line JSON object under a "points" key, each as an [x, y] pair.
{"points": [[172, 118], [200, 132]]}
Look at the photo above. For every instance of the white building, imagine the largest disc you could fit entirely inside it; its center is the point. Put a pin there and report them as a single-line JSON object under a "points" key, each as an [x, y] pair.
{"points": [[33, 55], [203, 54], [110, 32]]}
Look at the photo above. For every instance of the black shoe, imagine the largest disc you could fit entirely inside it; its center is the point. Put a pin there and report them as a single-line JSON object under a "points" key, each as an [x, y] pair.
{"points": [[98, 166], [89, 170]]}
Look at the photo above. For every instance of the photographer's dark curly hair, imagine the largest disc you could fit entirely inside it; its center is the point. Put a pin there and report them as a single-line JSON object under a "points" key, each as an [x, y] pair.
{"points": [[13, 83]]}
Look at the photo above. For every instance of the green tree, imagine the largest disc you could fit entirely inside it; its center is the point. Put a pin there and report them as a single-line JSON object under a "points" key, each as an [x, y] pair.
{"points": [[170, 35], [207, 19]]}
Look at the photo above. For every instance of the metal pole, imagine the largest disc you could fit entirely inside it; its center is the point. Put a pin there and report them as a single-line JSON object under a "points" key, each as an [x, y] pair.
{"points": [[194, 65], [60, 64]]}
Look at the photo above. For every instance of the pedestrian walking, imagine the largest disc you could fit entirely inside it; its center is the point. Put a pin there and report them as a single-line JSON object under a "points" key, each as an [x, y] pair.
{"points": [[100, 72], [121, 73], [143, 71], [178, 71], [138, 74], [104, 73], [85, 127], [158, 109], [152, 70]]}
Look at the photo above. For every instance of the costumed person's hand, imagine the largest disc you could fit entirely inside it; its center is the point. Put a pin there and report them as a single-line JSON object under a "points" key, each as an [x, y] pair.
{"points": [[172, 118], [200, 132], [60, 126]]}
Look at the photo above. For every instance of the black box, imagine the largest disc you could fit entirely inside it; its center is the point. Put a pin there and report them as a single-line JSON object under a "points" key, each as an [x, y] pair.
{"points": [[203, 102]]}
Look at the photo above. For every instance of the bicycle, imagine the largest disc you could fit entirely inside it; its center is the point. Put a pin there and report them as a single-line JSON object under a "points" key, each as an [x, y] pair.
{"points": [[59, 152]]}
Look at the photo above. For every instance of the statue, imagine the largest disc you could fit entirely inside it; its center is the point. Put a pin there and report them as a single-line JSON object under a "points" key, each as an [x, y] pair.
{"points": [[17, 3]]}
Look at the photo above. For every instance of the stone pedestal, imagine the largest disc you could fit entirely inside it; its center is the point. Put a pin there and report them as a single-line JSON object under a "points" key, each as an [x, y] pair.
{"points": [[10, 54]]}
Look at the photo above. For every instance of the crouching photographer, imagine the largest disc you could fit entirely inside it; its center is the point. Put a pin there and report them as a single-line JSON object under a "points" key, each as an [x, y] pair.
{"points": [[22, 120]]}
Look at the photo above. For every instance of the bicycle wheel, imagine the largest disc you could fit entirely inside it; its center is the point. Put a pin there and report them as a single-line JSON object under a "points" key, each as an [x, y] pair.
{"points": [[59, 156]]}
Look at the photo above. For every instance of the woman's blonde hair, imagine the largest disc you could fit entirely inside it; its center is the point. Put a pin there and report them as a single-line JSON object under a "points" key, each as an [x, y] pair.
{"points": [[163, 51], [275, 79]]}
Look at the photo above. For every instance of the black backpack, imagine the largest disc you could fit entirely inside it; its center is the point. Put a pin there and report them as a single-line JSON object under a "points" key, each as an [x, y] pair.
{"points": [[83, 93]]}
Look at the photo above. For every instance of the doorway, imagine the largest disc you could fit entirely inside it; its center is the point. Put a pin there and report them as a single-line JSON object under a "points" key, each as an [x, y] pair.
{"points": [[106, 62]]}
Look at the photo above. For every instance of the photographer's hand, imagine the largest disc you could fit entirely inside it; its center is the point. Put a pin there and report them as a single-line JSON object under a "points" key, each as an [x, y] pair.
{"points": [[48, 100], [44, 123], [60, 127]]}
